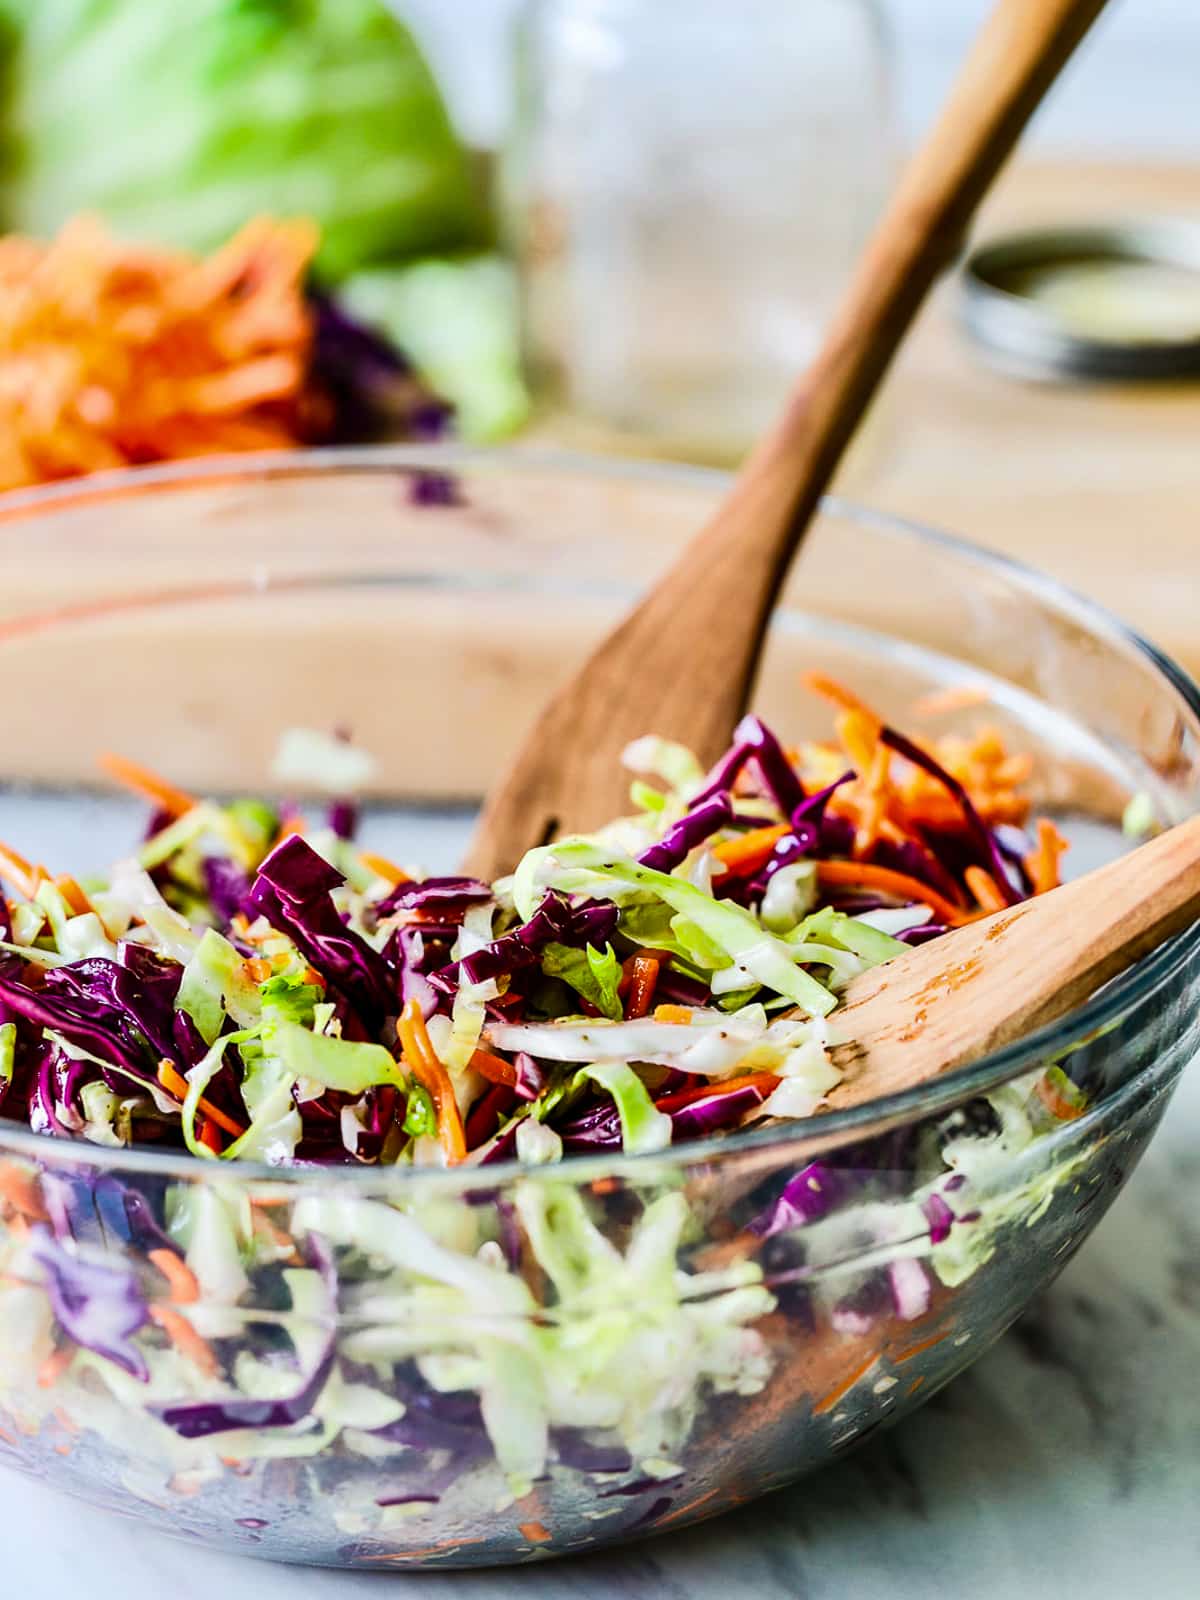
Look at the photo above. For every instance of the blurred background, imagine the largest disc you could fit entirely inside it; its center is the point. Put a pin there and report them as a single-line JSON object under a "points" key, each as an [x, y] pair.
{"points": [[1136, 93], [619, 224]]}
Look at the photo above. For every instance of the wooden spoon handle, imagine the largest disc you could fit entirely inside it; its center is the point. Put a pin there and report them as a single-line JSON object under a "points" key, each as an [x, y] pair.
{"points": [[982, 986], [683, 663], [754, 536]]}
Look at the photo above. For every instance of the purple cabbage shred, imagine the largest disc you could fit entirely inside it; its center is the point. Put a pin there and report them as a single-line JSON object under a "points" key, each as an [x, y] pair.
{"points": [[292, 890], [100, 1307], [754, 741], [701, 822], [806, 1198], [940, 1218]]}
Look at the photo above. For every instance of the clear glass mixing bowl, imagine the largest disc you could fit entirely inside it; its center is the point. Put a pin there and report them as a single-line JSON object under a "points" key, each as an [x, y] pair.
{"points": [[481, 1366]]}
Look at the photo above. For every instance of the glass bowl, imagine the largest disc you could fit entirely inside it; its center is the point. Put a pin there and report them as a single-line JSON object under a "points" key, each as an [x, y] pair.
{"points": [[382, 1368]]}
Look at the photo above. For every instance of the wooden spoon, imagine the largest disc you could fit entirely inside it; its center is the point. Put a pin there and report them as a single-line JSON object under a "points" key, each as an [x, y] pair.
{"points": [[683, 663], [984, 985]]}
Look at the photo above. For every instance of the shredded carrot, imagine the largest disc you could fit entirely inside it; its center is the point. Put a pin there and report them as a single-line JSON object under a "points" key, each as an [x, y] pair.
{"points": [[16, 870], [944, 702], [920, 1349], [535, 1532], [21, 1192], [494, 1068], [53, 1367], [185, 1338], [828, 1401], [985, 889], [987, 747], [281, 1239], [645, 980], [1012, 771], [629, 967], [73, 895], [314, 978], [429, 1072], [209, 1136], [765, 1082], [875, 800], [291, 824], [385, 869], [680, 1015], [831, 689], [148, 784], [114, 354], [181, 1280], [752, 851], [866, 876], [175, 1083], [257, 969], [1042, 863], [172, 1080], [859, 735], [1057, 1103]]}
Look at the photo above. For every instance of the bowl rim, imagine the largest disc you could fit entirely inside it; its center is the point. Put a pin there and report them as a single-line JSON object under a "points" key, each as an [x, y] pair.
{"points": [[822, 1132]]}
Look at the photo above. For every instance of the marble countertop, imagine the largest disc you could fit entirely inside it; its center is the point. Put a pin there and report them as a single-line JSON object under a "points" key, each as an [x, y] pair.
{"points": [[1066, 1463]]}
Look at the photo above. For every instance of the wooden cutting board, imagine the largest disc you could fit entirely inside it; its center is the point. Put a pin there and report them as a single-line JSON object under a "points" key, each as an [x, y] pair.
{"points": [[1099, 486]]}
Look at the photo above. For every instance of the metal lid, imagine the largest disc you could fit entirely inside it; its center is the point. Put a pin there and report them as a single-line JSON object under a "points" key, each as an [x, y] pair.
{"points": [[1111, 302]]}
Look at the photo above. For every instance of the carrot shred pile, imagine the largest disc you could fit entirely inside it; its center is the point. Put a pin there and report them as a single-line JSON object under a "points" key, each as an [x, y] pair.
{"points": [[892, 801], [113, 354]]}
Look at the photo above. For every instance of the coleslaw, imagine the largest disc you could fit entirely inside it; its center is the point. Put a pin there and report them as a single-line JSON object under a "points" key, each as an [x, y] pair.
{"points": [[250, 985], [253, 986]]}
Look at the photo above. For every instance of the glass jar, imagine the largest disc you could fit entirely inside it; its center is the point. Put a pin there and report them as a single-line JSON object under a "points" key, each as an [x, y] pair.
{"points": [[686, 185]]}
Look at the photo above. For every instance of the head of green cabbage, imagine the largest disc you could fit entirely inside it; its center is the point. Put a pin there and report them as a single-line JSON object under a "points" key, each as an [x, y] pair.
{"points": [[177, 122]]}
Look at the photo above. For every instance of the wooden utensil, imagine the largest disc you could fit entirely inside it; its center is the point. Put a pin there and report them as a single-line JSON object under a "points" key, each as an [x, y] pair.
{"points": [[984, 985], [683, 663]]}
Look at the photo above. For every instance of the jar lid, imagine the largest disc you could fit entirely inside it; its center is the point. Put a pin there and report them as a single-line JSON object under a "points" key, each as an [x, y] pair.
{"points": [[1110, 302]]}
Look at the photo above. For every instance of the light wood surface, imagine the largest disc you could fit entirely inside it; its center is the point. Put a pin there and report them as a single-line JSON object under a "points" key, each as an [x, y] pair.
{"points": [[694, 642], [1099, 486], [980, 987]]}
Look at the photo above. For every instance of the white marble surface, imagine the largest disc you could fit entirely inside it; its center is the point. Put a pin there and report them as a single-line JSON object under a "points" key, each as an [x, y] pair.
{"points": [[1065, 1464]]}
